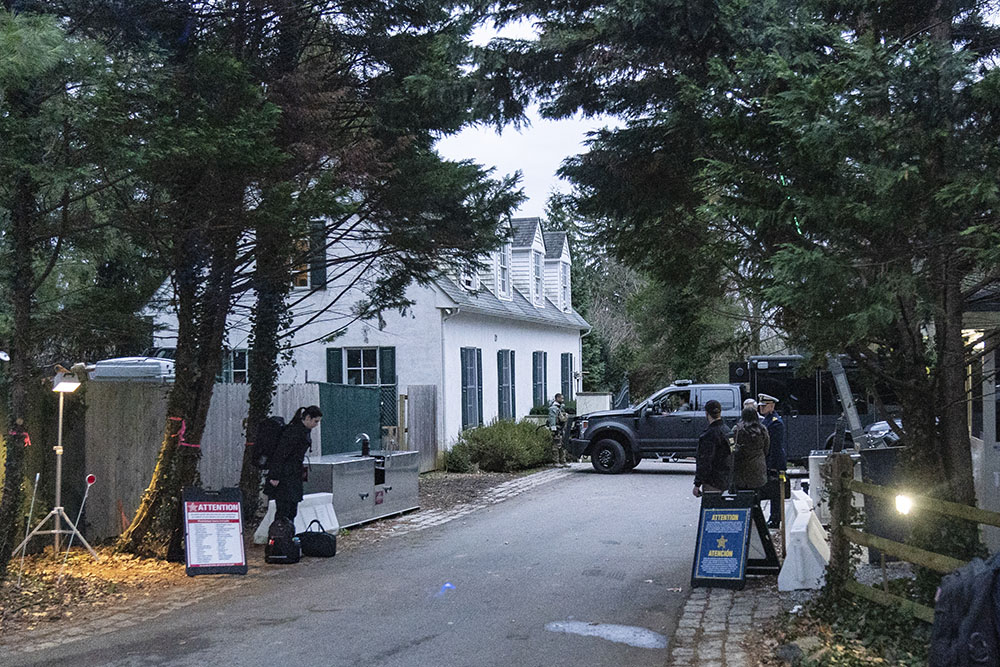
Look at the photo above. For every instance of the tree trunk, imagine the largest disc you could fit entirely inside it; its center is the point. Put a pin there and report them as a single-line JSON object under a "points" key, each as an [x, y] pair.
{"points": [[271, 283], [204, 289], [272, 253], [951, 389], [21, 355]]}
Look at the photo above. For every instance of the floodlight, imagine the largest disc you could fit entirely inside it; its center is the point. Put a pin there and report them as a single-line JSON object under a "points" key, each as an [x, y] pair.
{"points": [[904, 504], [65, 383]]}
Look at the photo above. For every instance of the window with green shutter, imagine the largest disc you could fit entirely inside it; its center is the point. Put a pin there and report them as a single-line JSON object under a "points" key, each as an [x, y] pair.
{"points": [[472, 386], [506, 408], [539, 383], [335, 365], [317, 255], [566, 363]]}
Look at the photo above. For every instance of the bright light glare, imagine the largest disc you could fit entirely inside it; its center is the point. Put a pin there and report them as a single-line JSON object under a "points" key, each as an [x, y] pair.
{"points": [[904, 504], [65, 382]]}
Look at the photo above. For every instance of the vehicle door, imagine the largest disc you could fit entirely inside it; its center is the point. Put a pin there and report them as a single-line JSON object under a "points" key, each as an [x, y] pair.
{"points": [[728, 398], [666, 425]]}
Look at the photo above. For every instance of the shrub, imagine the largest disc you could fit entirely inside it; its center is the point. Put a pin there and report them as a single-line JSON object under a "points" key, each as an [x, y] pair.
{"points": [[506, 446], [458, 459]]}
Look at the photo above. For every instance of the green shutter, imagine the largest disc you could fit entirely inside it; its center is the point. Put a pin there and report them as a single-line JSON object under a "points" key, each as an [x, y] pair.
{"points": [[465, 387], [479, 383], [335, 365], [317, 255], [500, 393], [566, 367], [545, 378], [513, 389], [387, 365]]}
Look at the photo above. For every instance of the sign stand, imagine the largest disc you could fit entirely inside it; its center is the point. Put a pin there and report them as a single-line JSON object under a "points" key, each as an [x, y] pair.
{"points": [[213, 531], [726, 527]]}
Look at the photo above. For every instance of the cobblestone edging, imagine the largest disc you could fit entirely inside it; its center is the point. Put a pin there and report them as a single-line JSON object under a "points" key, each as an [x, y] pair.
{"points": [[430, 518], [714, 623]]}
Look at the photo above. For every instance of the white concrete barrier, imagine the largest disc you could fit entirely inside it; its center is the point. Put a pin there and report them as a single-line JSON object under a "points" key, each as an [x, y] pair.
{"points": [[807, 548], [313, 506]]}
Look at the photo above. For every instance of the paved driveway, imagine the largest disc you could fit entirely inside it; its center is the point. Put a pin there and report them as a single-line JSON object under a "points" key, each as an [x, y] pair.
{"points": [[572, 568]]}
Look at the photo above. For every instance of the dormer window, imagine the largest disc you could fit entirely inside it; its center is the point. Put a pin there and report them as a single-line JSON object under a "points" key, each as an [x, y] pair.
{"points": [[503, 271], [536, 276], [469, 278]]}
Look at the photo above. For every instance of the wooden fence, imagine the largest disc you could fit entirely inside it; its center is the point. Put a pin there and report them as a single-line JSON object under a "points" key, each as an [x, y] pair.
{"points": [[421, 423], [123, 431], [842, 533]]}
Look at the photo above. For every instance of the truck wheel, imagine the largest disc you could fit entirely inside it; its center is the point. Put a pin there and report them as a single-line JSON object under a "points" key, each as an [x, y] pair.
{"points": [[608, 457]]}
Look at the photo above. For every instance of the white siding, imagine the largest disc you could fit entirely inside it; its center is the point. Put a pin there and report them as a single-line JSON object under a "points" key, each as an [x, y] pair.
{"points": [[521, 272], [491, 334], [552, 281]]}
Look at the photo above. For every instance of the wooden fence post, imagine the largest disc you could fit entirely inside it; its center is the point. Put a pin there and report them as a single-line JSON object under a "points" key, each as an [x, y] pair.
{"points": [[841, 469]]}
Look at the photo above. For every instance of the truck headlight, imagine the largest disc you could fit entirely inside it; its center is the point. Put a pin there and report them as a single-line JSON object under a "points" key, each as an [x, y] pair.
{"points": [[583, 426]]}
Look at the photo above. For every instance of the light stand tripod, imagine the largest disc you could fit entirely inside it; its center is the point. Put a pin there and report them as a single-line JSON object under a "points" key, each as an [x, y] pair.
{"points": [[64, 382]]}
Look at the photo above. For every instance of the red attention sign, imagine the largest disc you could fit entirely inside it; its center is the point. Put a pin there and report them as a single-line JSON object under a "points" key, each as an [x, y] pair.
{"points": [[214, 534]]}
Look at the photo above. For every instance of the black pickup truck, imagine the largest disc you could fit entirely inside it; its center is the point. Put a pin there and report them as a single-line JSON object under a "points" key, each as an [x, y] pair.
{"points": [[664, 426]]}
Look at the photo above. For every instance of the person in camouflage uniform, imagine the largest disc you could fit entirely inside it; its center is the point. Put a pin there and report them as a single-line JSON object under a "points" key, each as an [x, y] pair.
{"points": [[556, 423]]}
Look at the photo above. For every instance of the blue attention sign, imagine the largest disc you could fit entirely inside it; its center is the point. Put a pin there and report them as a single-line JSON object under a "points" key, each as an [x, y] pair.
{"points": [[722, 544]]}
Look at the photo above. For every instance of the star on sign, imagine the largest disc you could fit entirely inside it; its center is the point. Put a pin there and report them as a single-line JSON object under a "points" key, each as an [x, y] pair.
{"points": [[721, 542]]}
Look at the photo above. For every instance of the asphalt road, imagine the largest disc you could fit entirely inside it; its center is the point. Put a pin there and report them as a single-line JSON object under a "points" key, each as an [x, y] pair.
{"points": [[528, 581]]}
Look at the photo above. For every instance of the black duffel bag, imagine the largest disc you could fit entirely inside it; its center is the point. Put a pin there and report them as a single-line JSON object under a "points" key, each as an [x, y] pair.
{"points": [[318, 543]]}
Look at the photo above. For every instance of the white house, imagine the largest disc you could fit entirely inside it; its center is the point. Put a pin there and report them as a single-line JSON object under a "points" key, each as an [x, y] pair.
{"points": [[494, 341]]}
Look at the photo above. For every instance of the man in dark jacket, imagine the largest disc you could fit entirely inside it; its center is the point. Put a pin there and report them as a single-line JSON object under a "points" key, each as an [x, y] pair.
{"points": [[714, 471], [776, 461], [285, 470]]}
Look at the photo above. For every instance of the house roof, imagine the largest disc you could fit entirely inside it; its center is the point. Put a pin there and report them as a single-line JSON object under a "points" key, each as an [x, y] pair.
{"points": [[554, 242], [986, 300], [524, 231], [485, 302]]}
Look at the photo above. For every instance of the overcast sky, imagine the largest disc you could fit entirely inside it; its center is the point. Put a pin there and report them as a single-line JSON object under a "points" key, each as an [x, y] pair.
{"points": [[536, 151]]}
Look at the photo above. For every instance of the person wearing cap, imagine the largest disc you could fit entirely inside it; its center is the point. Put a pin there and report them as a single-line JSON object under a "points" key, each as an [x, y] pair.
{"points": [[776, 461], [714, 468]]}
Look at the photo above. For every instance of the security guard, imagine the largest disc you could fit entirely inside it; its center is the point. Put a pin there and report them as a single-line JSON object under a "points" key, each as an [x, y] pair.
{"points": [[556, 423], [776, 460]]}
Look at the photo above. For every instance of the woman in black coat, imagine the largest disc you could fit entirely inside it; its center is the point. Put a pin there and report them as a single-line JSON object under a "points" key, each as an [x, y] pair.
{"points": [[284, 475], [750, 454]]}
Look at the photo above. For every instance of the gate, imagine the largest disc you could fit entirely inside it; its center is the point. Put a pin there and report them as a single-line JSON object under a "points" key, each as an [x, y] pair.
{"points": [[421, 423], [347, 411]]}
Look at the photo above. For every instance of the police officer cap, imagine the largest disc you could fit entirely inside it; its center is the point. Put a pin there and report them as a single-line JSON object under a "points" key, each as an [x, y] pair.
{"points": [[766, 398]]}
